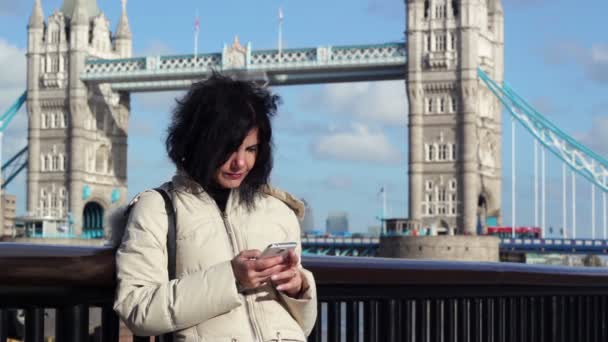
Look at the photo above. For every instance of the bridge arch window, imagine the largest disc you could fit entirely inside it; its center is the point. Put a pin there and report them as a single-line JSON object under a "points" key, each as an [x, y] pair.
{"points": [[431, 153], [63, 120], [427, 39], [442, 195], [55, 162], [453, 104], [443, 152], [54, 120], [453, 184], [440, 42], [427, 7], [101, 158], [54, 64], [42, 120], [453, 41], [455, 7], [453, 151], [429, 105], [442, 105], [429, 185], [47, 163]]}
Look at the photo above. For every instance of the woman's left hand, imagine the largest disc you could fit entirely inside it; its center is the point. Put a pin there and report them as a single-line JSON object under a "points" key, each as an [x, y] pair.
{"points": [[290, 280]]}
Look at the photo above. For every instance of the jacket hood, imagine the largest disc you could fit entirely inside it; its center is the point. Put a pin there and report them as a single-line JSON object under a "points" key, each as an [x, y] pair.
{"points": [[295, 204]]}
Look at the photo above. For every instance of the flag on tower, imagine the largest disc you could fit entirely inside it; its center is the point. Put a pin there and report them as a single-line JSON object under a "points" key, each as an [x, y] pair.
{"points": [[280, 14], [197, 24]]}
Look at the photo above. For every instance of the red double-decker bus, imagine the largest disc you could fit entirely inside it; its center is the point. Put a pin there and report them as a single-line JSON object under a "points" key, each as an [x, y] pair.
{"points": [[520, 232]]}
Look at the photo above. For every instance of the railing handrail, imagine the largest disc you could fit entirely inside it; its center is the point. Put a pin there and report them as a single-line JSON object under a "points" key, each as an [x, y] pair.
{"points": [[70, 266]]}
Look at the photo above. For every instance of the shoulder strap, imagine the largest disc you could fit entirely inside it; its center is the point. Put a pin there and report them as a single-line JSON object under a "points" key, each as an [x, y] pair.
{"points": [[171, 247], [171, 236]]}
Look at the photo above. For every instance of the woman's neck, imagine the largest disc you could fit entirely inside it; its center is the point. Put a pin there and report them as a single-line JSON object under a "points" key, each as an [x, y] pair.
{"points": [[220, 195]]}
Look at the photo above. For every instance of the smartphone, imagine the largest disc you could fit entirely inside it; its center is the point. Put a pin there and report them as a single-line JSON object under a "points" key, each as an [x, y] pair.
{"points": [[280, 248]]}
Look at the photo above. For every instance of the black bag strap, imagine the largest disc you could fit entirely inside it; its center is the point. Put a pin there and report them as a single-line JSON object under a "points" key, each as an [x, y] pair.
{"points": [[171, 234], [171, 246]]}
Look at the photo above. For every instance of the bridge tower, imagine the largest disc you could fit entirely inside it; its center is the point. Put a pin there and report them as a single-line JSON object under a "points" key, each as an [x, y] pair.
{"points": [[454, 121], [77, 135]]}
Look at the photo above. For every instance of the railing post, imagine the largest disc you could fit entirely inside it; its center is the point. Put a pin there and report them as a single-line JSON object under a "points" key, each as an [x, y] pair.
{"points": [[333, 321], [34, 325], [352, 321], [72, 323], [3, 325], [316, 334], [110, 325]]}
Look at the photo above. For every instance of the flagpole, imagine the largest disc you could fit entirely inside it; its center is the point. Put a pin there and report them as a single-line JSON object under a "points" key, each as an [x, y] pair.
{"points": [[196, 28], [280, 43]]}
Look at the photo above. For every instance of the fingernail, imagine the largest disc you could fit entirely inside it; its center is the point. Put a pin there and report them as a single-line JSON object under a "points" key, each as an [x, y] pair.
{"points": [[274, 277], [280, 287]]}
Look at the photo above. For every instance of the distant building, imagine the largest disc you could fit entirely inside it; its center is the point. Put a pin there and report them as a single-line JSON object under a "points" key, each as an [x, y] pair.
{"points": [[374, 230], [308, 224], [337, 223]]}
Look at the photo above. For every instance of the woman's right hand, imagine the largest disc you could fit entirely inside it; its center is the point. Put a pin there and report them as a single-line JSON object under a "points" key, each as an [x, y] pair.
{"points": [[251, 272]]}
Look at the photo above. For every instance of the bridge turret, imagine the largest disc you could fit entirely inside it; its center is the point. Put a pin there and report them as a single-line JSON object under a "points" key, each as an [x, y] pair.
{"points": [[123, 37], [79, 109], [454, 122], [35, 43]]}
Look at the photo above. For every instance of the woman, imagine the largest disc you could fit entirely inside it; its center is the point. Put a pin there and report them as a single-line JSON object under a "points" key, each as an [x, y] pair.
{"points": [[226, 213]]}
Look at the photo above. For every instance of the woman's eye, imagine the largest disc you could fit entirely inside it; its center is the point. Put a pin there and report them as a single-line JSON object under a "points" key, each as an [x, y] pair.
{"points": [[252, 149]]}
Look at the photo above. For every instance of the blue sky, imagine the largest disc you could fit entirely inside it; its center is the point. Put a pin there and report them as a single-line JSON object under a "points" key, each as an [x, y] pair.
{"points": [[338, 144]]}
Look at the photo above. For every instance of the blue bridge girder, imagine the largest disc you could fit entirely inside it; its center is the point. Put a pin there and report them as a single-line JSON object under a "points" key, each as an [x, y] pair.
{"points": [[322, 64], [369, 246]]}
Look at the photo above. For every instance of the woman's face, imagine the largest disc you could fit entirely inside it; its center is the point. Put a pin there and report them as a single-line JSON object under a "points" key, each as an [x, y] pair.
{"points": [[239, 163]]}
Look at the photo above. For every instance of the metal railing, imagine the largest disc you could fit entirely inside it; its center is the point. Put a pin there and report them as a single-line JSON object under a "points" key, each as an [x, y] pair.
{"points": [[361, 299]]}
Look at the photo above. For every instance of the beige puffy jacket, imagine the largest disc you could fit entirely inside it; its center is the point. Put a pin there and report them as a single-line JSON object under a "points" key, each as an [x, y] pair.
{"points": [[203, 303]]}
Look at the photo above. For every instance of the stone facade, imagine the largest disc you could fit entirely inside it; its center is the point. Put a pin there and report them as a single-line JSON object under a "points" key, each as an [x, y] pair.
{"points": [[454, 120], [77, 135]]}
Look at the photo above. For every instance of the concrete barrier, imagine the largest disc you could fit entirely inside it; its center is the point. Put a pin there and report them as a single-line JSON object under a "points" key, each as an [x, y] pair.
{"points": [[441, 247]]}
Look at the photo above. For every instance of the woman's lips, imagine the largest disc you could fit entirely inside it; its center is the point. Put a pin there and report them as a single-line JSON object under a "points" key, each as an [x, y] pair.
{"points": [[233, 176]]}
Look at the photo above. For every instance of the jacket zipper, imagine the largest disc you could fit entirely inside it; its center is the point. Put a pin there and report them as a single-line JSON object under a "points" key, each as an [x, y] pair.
{"points": [[234, 243]]}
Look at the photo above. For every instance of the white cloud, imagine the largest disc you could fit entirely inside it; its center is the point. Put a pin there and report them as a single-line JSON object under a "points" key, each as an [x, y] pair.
{"points": [[594, 60], [379, 102], [358, 144]]}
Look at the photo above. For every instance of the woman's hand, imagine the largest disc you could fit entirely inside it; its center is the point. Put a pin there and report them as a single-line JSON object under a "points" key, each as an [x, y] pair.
{"points": [[290, 280], [251, 272]]}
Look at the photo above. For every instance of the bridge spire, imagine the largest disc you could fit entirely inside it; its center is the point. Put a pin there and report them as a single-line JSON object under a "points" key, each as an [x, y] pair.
{"points": [[37, 17], [80, 14], [123, 33], [123, 30], [69, 7]]}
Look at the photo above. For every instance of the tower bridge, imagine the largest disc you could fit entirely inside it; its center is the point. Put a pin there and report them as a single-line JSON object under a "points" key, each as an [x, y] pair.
{"points": [[81, 74], [79, 84]]}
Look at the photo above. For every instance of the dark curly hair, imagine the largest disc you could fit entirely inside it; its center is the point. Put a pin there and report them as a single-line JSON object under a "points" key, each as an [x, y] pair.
{"points": [[211, 121]]}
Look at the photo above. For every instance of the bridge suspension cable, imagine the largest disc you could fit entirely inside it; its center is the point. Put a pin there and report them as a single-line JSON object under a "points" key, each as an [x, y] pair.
{"points": [[5, 119], [580, 159]]}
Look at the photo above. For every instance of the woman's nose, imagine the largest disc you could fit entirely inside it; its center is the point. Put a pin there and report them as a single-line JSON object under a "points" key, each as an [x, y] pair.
{"points": [[238, 161]]}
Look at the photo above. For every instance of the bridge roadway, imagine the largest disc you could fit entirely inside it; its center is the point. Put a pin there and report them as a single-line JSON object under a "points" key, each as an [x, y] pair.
{"points": [[368, 246], [323, 64]]}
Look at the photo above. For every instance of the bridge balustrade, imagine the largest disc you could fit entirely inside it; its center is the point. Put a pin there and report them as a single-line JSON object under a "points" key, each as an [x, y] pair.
{"points": [[360, 299]]}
